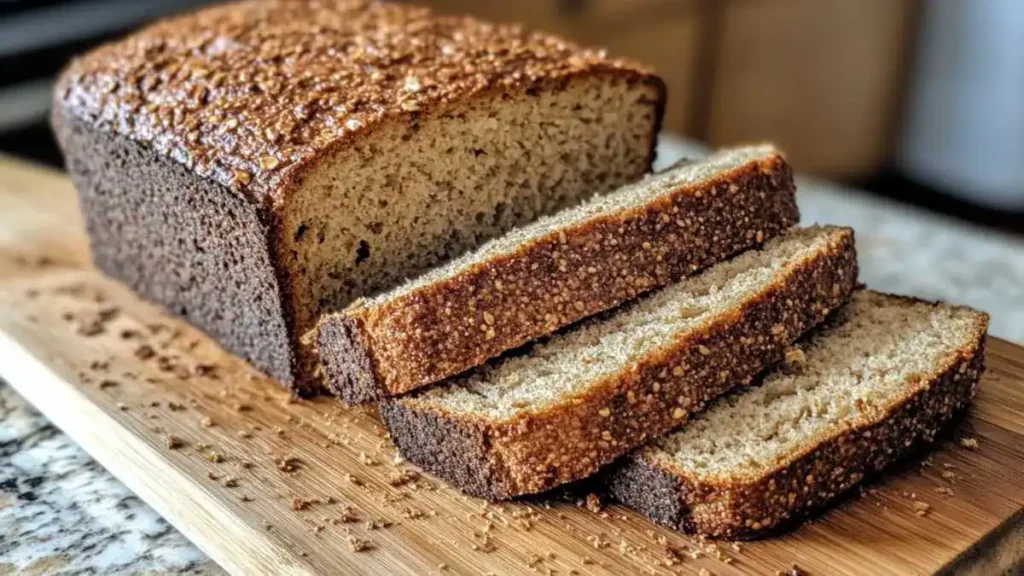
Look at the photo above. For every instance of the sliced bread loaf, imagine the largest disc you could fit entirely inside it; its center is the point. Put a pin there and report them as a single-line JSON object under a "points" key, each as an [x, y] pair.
{"points": [[544, 276], [886, 374], [564, 407], [256, 164]]}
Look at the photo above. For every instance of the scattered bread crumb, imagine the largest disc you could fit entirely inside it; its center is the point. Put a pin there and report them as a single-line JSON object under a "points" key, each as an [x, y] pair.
{"points": [[795, 357], [412, 513], [402, 477], [358, 544], [377, 523], [347, 516], [298, 504], [172, 442], [287, 464], [969, 443]]}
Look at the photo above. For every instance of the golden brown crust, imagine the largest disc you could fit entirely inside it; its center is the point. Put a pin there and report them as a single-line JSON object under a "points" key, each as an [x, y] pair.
{"points": [[247, 94], [536, 451], [449, 326], [811, 480]]}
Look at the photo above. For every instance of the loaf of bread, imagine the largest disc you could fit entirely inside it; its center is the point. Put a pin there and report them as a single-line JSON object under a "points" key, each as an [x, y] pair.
{"points": [[255, 164], [881, 378], [556, 271], [563, 408]]}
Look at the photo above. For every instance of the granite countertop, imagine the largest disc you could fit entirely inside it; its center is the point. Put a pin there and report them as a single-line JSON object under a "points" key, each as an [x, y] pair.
{"points": [[60, 512]]}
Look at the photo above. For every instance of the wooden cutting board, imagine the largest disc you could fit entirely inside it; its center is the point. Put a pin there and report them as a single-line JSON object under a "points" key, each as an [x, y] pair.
{"points": [[264, 484]]}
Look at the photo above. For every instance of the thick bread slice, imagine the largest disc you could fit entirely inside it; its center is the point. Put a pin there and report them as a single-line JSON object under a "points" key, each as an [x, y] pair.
{"points": [[883, 377], [547, 275], [567, 406]]}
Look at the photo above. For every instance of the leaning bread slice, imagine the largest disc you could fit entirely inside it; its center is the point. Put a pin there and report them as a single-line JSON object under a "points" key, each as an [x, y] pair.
{"points": [[885, 375], [564, 407], [539, 278]]}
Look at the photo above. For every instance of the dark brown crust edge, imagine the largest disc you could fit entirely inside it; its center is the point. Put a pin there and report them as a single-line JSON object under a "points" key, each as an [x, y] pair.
{"points": [[512, 299], [793, 494], [539, 451], [348, 367], [195, 247]]}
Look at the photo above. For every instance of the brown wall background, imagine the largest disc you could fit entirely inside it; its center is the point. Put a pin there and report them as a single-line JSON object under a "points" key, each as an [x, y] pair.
{"points": [[824, 79]]}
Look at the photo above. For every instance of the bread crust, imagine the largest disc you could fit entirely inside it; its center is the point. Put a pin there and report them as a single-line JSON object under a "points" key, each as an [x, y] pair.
{"points": [[449, 326], [811, 479], [189, 245], [539, 450]]}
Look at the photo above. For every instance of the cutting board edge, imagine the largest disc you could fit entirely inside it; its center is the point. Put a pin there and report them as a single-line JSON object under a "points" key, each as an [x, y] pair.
{"points": [[21, 367]]}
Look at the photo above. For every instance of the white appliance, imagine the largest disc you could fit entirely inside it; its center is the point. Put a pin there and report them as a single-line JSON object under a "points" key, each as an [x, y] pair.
{"points": [[964, 131]]}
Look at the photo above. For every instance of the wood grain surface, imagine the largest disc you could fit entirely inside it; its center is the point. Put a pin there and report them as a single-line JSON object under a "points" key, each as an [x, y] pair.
{"points": [[266, 484]]}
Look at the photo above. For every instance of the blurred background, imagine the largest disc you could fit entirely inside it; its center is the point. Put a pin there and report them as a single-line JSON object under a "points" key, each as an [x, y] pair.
{"points": [[918, 100]]}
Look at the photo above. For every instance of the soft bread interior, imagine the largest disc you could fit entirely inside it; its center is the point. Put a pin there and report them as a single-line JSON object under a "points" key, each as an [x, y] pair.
{"points": [[880, 350], [568, 363], [414, 194], [686, 174]]}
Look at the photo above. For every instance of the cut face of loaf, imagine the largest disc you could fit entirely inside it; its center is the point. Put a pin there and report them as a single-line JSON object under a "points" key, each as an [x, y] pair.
{"points": [[313, 153], [564, 407], [886, 374], [556, 271]]}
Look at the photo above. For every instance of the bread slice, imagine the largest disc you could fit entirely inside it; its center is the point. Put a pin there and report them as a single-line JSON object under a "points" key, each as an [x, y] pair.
{"points": [[882, 377], [539, 278], [256, 164], [563, 408]]}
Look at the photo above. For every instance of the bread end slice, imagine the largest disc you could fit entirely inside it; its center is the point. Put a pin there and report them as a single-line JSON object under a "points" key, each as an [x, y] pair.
{"points": [[753, 505], [538, 279]]}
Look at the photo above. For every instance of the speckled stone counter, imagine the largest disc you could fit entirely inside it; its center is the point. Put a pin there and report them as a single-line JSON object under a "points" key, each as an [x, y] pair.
{"points": [[60, 512]]}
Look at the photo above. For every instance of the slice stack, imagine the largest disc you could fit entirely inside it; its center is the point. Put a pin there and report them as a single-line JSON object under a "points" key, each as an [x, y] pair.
{"points": [[557, 271], [639, 309], [563, 408], [884, 376]]}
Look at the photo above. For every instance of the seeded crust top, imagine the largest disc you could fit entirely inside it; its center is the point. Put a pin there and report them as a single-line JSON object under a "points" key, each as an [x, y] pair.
{"points": [[246, 93]]}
